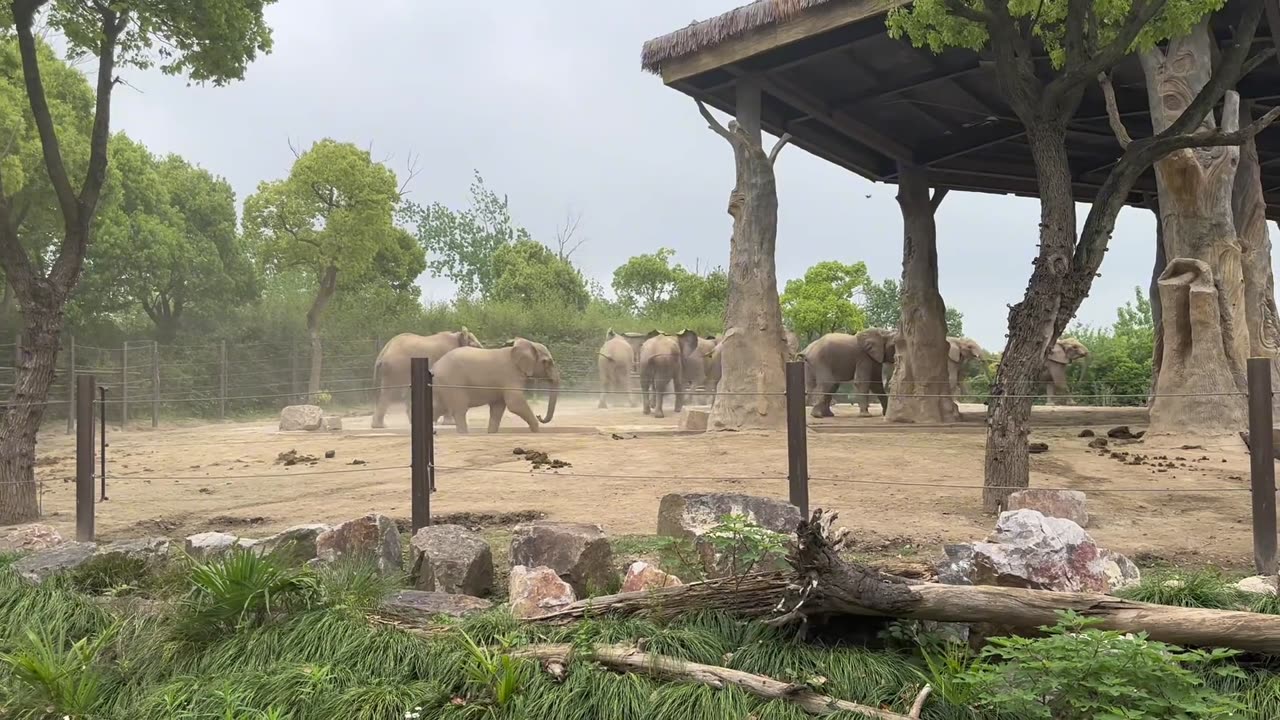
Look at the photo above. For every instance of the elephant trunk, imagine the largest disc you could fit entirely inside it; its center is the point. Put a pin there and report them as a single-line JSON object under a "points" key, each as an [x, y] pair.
{"points": [[553, 387]]}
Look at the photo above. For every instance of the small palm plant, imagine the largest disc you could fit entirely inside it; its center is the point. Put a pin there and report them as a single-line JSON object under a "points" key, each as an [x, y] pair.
{"points": [[51, 678], [244, 589]]}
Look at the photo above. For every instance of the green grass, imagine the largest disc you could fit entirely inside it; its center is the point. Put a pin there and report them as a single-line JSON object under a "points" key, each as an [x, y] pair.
{"points": [[1206, 588]]}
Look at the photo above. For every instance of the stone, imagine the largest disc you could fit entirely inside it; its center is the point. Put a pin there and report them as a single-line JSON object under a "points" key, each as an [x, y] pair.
{"points": [[643, 576], [537, 591], [301, 417], [1121, 432], [373, 538], [331, 423], [691, 515], [695, 419], [1085, 433], [451, 559], [1035, 448], [420, 606], [209, 545], [330, 454], [1275, 441], [578, 552], [1069, 504], [956, 565], [152, 549], [1098, 443], [44, 564], [295, 545], [30, 538], [1030, 550], [1258, 585]]}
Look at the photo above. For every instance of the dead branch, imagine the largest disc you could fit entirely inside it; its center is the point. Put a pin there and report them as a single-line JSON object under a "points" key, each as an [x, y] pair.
{"points": [[621, 658], [712, 123], [292, 149], [1113, 112], [777, 147], [411, 164], [564, 236], [917, 707]]}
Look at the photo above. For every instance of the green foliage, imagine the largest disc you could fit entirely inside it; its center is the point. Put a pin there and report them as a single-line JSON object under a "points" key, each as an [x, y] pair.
{"points": [[243, 589], [649, 284], [1119, 362], [51, 675], [883, 307], [528, 272], [493, 672], [1205, 588], [823, 300], [734, 547]]}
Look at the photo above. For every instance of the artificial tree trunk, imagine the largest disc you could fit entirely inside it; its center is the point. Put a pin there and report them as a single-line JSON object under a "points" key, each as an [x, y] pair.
{"points": [[328, 285], [1249, 211], [749, 394], [1153, 297], [920, 390]]}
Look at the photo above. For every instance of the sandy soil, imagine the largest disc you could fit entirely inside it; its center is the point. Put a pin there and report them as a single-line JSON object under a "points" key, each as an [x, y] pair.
{"points": [[905, 489]]}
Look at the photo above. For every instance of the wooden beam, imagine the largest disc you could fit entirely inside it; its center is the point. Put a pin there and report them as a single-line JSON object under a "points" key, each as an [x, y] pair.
{"points": [[841, 120], [912, 83], [808, 23], [971, 140]]}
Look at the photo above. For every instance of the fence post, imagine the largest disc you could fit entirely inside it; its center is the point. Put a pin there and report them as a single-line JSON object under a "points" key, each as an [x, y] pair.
{"points": [[797, 439], [222, 380], [1262, 468], [293, 374], [84, 457], [124, 385], [71, 385], [155, 384], [422, 473], [102, 443]]}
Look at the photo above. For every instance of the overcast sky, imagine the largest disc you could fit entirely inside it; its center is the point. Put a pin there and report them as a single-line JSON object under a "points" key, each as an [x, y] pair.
{"points": [[547, 100]]}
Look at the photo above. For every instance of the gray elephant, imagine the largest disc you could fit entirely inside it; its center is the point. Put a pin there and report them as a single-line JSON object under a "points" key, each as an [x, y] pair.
{"points": [[961, 352], [696, 352], [1054, 376], [793, 343], [661, 362], [391, 369], [838, 358], [614, 361], [470, 377]]}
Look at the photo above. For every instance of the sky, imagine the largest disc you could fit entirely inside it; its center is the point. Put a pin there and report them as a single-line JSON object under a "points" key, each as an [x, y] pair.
{"points": [[546, 99]]}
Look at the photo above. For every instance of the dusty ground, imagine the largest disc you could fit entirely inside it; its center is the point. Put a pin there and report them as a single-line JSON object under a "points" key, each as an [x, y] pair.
{"points": [[905, 489]]}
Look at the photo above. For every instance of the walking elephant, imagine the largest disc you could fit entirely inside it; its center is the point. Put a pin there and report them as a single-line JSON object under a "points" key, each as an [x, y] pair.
{"points": [[837, 358], [391, 369], [962, 351], [661, 362], [614, 361], [696, 353], [1054, 376], [470, 377]]}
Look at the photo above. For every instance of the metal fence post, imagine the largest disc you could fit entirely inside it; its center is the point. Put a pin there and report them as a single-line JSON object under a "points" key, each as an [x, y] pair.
{"points": [[1262, 468], [155, 384], [71, 384], [222, 380], [102, 443], [422, 473], [124, 385], [797, 439], [84, 458]]}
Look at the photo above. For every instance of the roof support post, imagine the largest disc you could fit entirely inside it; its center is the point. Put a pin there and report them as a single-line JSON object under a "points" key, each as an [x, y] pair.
{"points": [[747, 107]]}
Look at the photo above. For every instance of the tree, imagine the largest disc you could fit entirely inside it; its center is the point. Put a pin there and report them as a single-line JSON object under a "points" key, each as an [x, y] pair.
{"points": [[1083, 40], [882, 303], [530, 273], [1119, 356], [649, 284], [209, 41], [461, 243], [333, 216], [823, 300], [166, 241]]}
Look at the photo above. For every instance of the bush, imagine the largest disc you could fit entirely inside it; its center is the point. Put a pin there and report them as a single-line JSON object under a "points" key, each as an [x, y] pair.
{"points": [[243, 589]]}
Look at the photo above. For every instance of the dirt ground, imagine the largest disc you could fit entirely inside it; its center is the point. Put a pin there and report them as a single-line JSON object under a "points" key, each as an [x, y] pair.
{"points": [[905, 490]]}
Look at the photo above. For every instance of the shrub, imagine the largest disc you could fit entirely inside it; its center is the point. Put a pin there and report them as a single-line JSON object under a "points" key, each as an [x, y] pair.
{"points": [[49, 678], [736, 546], [1199, 589], [243, 589]]}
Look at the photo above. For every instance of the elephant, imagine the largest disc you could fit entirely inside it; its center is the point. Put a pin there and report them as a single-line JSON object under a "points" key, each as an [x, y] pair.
{"points": [[470, 377], [391, 369], [837, 358], [661, 362], [696, 352], [793, 342], [614, 361], [1054, 376], [962, 350]]}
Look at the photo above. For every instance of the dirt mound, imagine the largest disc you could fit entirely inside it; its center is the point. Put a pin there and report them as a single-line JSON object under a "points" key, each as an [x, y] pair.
{"points": [[293, 457]]}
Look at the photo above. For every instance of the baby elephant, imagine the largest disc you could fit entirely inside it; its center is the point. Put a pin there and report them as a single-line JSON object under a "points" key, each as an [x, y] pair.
{"points": [[661, 362], [470, 377]]}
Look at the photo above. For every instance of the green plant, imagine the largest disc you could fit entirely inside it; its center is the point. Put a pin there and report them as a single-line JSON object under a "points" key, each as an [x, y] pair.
{"points": [[1205, 588], [243, 589], [51, 678], [494, 671], [1077, 672], [733, 548]]}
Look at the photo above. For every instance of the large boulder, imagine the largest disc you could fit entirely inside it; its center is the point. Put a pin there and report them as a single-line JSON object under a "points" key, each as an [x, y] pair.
{"points": [[420, 606], [209, 545], [332, 423], [1030, 550], [30, 538], [372, 538], [643, 576], [691, 515], [1069, 504], [295, 545], [152, 549], [533, 592], [44, 564], [301, 417], [578, 552], [451, 559], [1258, 585]]}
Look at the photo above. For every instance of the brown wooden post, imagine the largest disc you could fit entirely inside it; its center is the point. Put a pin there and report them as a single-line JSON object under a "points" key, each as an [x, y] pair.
{"points": [[155, 384], [124, 385], [84, 457], [222, 380], [422, 442], [71, 384], [797, 439], [1262, 467]]}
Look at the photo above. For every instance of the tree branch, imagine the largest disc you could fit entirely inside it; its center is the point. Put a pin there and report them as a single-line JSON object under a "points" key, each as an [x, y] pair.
{"points": [[712, 123], [777, 147], [23, 18], [1079, 71], [939, 195], [1113, 112], [1235, 63], [961, 9]]}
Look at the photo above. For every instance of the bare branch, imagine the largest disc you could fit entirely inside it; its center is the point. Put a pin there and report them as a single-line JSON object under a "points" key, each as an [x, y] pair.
{"points": [[294, 150], [939, 195], [777, 147], [1113, 112], [917, 707], [712, 123], [565, 247], [411, 163], [1079, 70]]}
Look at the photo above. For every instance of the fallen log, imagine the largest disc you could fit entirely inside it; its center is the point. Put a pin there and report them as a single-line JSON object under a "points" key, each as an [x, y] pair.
{"points": [[752, 596], [621, 658]]}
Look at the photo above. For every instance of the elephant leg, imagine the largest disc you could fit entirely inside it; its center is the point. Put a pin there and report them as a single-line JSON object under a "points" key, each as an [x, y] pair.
{"points": [[862, 389], [826, 394], [496, 409], [604, 403], [459, 417], [380, 403], [646, 382], [516, 403], [953, 379], [659, 389], [877, 387]]}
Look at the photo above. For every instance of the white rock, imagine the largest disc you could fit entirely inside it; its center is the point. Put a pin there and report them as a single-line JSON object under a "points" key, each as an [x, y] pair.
{"points": [[301, 417], [1258, 585]]}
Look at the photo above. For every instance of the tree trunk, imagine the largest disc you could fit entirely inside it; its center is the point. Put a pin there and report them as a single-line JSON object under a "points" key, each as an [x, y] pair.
{"points": [[1195, 188], [19, 491], [920, 390], [1249, 211], [1153, 296], [1032, 322], [328, 284]]}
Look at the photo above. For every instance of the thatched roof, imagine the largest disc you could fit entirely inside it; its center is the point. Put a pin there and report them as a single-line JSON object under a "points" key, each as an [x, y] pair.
{"points": [[699, 36]]}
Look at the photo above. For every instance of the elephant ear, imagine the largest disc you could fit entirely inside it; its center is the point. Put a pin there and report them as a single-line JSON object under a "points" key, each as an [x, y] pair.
{"points": [[1058, 354], [688, 340], [954, 353], [526, 356], [652, 334], [610, 334], [874, 347]]}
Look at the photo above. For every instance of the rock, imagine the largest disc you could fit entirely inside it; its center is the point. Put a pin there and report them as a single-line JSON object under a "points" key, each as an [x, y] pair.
{"points": [[373, 537], [295, 545], [332, 423], [956, 566], [579, 553], [451, 559], [301, 417], [1275, 441], [1030, 550], [691, 515], [208, 545], [1069, 504], [330, 454], [420, 606], [1085, 433], [1258, 585], [153, 549], [29, 538], [1121, 432], [538, 591], [43, 564], [695, 419], [1098, 443], [643, 576], [1035, 448]]}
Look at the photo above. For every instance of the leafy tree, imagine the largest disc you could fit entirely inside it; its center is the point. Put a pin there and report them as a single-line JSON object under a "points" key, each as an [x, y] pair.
{"points": [[208, 41], [529, 272], [333, 215], [883, 306], [651, 285], [1120, 356], [823, 300]]}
